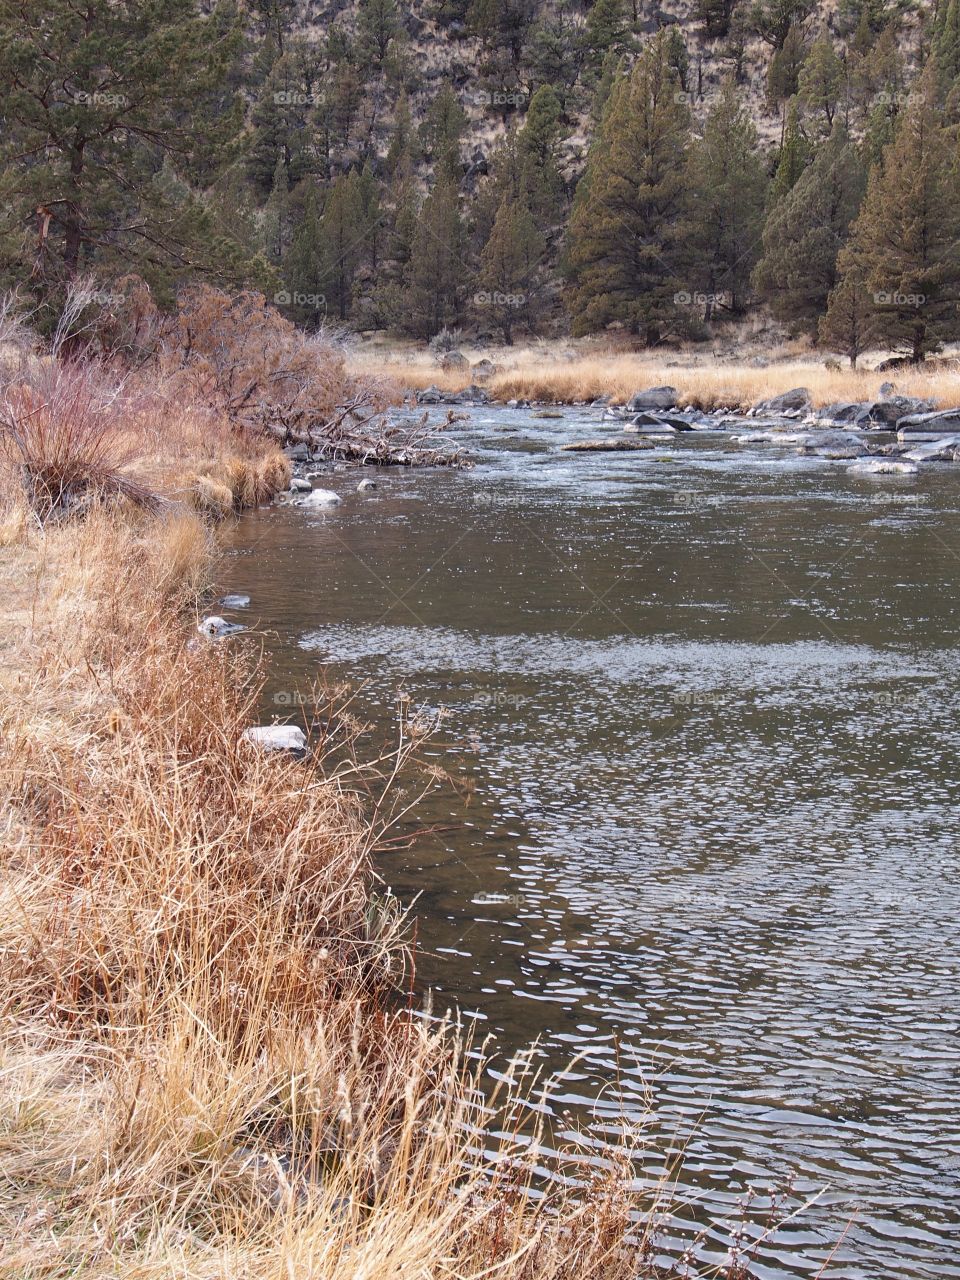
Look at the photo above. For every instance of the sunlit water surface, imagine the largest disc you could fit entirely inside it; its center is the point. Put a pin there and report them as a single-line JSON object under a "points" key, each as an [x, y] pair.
{"points": [[703, 704]]}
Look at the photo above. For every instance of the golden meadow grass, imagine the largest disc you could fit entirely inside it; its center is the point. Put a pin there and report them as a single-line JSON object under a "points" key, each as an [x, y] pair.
{"points": [[206, 1068], [567, 373]]}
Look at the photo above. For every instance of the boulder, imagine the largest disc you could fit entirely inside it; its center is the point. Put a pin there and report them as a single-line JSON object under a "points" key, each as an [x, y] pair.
{"points": [[454, 362], [853, 411], [366, 485], [483, 369], [652, 398], [321, 498], [612, 444], [429, 395], [795, 401], [944, 420], [941, 450], [277, 737], [297, 453], [890, 409], [476, 394], [886, 389], [300, 484], [672, 421]]}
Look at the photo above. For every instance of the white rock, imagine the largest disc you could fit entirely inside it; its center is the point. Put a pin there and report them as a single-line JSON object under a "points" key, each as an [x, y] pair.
{"points": [[215, 626], [322, 498], [300, 484], [882, 467], [277, 737], [366, 485]]}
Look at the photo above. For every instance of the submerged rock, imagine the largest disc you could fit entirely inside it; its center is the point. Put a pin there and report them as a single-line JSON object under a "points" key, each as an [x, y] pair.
{"points": [[300, 484], [613, 444], [941, 450], [653, 398], [277, 737], [672, 420], [235, 601], [366, 485]]}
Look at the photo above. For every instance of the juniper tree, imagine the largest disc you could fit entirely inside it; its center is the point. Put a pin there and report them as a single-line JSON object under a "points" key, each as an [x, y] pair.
{"points": [[627, 235], [795, 154], [821, 80], [435, 276], [850, 325], [804, 233]]}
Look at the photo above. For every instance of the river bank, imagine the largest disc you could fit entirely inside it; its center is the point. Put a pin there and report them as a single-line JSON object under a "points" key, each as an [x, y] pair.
{"points": [[208, 1064], [581, 373]]}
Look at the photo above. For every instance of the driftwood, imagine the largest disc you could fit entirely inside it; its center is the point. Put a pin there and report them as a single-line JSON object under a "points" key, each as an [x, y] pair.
{"points": [[373, 440]]}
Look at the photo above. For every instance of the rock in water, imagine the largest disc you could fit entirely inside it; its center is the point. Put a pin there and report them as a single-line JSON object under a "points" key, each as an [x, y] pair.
{"points": [[940, 450], [366, 485], [614, 444], [215, 627], [653, 398], [300, 484], [277, 737], [235, 602], [882, 467], [321, 498], [429, 395], [945, 420]]}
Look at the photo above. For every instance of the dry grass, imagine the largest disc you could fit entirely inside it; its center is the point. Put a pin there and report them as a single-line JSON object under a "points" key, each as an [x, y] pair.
{"points": [[571, 372]]}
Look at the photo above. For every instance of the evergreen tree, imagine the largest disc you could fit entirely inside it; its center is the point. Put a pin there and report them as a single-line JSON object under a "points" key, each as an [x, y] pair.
{"points": [[627, 232], [557, 50], [341, 238], [783, 75], [538, 165], [772, 19], [303, 267], [794, 156], [281, 120], [105, 108], [729, 185], [906, 241], [715, 16], [946, 44], [509, 265], [378, 22], [435, 274], [276, 216], [803, 234], [608, 31], [821, 80], [850, 324], [442, 129]]}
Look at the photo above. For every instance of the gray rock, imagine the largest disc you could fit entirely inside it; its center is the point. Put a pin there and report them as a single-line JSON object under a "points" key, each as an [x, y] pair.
{"points": [[652, 398], [454, 361], [475, 394], [611, 444], [886, 389], [796, 400], [298, 453], [889, 410], [853, 411], [941, 450], [664, 420], [300, 484], [235, 601], [483, 369], [945, 420], [277, 737], [366, 485], [429, 395]]}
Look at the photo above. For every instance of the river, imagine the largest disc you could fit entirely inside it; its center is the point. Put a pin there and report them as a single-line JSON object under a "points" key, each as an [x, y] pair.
{"points": [[703, 708]]}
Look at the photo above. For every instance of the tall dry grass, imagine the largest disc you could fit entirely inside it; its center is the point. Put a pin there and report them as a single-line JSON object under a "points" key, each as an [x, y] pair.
{"points": [[567, 373]]}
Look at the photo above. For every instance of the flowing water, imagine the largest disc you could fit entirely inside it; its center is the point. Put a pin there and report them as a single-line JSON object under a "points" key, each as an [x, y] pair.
{"points": [[703, 704]]}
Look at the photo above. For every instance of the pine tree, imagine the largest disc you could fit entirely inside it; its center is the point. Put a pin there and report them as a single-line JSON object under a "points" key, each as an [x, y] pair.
{"points": [[608, 31], [715, 16], [435, 274], [538, 164], [303, 267], [507, 279], [804, 233], [276, 215], [627, 232], [783, 75], [772, 19], [442, 129], [95, 100], [906, 240], [821, 80], [729, 186], [557, 50], [342, 243], [378, 22], [946, 45]]}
